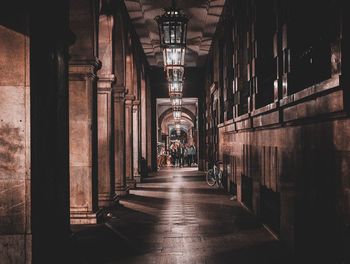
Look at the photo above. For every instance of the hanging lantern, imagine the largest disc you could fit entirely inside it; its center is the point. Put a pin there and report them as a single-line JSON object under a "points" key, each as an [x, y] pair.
{"points": [[176, 101], [175, 73], [175, 88], [177, 114], [172, 27], [178, 128], [174, 57]]}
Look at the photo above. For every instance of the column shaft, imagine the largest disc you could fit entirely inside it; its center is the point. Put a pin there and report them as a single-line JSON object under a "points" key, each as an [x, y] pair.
{"points": [[129, 142], [104, 133], [136, 141], [121, 188], [82, 96]]}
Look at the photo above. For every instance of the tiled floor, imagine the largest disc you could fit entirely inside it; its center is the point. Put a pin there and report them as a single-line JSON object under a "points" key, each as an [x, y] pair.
{"points": [[175, 217]]}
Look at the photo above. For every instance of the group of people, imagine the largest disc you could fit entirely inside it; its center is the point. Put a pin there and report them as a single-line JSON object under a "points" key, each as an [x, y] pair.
{"points": [[182, 155], [177, 155]]}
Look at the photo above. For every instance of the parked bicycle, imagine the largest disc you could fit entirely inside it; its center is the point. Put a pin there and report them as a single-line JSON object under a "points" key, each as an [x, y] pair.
{"points": [[214, 175]]}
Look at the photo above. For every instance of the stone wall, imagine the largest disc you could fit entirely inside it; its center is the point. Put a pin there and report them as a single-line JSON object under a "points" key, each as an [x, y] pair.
{"points": [[15, 238], [294, 176], [277, 114]]}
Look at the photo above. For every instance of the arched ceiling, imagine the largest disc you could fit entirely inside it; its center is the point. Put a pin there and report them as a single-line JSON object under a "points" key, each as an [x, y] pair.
{"points": [[203, 14], [168, 120]]}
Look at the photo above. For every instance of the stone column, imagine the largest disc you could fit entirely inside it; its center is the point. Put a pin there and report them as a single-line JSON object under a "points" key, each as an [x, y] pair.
{"points": [[121, 187], [144, 126], [150, 144], [129, 141], [104, 132], [82, 94], [136, 141], [83, 67], [48, 164], [106, 79]]}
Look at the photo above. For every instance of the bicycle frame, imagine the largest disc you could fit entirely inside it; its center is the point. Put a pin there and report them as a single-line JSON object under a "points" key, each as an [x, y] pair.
{"points": [[216, 176]]}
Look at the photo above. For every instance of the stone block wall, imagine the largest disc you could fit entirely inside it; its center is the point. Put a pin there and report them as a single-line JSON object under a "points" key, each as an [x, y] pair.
{"points": [[295, 177], [15, 231]]}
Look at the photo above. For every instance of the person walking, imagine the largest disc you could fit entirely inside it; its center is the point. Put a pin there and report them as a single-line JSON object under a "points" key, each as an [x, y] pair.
{"points": [[186, 156], [194, 153], [181, 155]]}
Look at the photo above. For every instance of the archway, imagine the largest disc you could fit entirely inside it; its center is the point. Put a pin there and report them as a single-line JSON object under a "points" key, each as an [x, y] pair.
{"points": [[182, 138]]}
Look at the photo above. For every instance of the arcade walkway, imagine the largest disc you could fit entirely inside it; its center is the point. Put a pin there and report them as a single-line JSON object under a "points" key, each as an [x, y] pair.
{"points": [[175, 217]]}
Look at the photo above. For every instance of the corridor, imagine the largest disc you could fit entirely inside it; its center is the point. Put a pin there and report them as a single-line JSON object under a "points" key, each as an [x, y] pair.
{"points": [[112, 111], [175, 217]]}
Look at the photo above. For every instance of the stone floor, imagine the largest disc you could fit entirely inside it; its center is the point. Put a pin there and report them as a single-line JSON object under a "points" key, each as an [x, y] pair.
{"points": [[175, 217]]}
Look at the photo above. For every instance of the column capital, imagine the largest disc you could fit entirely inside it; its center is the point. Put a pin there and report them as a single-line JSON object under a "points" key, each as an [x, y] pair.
{"points": [[95, 62], [118, 93], [106, 77], [129, 99], [136, 102], [105, 82], [135, 105], [82, 69]]}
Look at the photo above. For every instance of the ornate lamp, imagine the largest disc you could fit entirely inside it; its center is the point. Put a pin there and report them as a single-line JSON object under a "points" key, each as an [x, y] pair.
{"points": [[177, 114], [175, 88], [176, 101], [174, 57], [172, 27], [175, 73]]}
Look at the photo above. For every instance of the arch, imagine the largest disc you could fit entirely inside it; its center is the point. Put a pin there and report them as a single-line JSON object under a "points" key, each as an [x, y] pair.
{"points": [[168, 121], [184, 110]]}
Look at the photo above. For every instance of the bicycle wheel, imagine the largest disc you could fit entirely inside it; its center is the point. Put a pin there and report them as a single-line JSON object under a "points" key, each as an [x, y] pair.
{"points": [[210, 177]]}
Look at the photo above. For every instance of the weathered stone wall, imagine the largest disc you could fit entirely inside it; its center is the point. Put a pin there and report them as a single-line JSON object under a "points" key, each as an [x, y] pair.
{"points": [[284, 145], [15, 238], [295, 177]]}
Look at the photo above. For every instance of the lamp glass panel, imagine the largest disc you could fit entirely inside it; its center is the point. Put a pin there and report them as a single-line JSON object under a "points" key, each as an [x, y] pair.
{"points": [[175, 88], [175, 73], [177, 114], [174, 56], [166, 37], [176, 101]]}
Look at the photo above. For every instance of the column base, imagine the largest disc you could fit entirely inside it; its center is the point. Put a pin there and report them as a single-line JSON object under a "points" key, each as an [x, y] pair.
{"points": [[137, 178], [121, 191], [131, 183], [105, 200], [79, 216]]}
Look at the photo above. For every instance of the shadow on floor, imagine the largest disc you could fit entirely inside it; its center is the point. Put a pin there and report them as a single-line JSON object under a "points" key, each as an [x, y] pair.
{"points": [[189, 223], [184, 190]]}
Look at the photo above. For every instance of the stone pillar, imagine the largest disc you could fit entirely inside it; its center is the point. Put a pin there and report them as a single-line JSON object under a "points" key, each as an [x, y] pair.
{"points": [[150, 126], [136, 141], [129, 141], [83, 67], [82, 96], [144, 127], [121, 187], [48, 209], [104, 133], [106, 79]]}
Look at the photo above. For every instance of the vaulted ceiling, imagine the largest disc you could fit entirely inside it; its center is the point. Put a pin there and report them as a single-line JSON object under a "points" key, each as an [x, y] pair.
{"points": [[203, 14]]}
